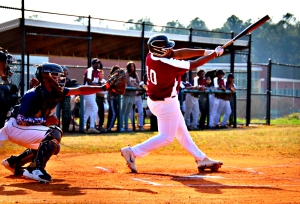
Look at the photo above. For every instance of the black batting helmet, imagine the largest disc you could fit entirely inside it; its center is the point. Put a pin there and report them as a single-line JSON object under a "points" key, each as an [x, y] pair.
{"points": [[158, 44]]}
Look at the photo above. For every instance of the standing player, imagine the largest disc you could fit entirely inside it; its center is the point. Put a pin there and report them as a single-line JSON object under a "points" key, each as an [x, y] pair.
{"points": [[164, 69], [35, 127]]}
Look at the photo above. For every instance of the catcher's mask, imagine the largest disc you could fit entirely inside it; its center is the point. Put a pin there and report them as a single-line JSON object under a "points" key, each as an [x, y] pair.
{"points": [[159, 45], [51, 73]]}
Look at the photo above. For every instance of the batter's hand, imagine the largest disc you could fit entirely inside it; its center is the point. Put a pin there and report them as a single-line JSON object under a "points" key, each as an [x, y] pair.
{"points": [[219, 51], [51, 120]]}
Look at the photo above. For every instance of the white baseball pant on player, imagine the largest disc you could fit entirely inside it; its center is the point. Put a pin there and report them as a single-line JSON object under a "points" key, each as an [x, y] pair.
{"points": [[138, 101], [171, 125], [214, 104], [224, 106], [191, 107], [26, 136], [218, 111], [90, 109]]}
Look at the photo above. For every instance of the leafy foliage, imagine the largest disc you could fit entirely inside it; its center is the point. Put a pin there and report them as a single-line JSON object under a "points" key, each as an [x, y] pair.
{"points": [[279, 42]]}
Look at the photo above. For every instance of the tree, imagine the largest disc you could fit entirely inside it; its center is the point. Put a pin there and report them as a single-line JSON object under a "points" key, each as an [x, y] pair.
{"points": [[138, 25], [175, 27], [35, 17], [234, 24], [198, 27], [80, 20]]}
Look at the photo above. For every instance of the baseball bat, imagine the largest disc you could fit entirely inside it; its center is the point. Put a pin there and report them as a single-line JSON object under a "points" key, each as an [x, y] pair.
{"points": [[248, 30]]}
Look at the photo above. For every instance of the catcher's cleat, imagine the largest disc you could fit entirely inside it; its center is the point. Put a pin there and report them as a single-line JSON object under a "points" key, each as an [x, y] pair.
{"points": [[37, 174], [127, 153], [6, 164], [208, 163], [11, 165]]}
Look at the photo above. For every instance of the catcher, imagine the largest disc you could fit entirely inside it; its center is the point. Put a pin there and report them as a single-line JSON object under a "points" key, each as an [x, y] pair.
{"points": [[34, 126]]}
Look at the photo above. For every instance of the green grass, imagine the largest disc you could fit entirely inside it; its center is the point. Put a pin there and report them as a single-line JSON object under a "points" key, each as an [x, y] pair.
{"points": [[253, 140], [292, 119]]}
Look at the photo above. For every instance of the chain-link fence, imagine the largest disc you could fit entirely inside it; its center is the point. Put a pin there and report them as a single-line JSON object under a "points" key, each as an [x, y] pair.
{"points": [[285, 79]]}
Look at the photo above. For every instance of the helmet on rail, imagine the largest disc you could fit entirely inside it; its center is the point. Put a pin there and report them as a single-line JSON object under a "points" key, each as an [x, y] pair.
{"points": [[158, 45]]}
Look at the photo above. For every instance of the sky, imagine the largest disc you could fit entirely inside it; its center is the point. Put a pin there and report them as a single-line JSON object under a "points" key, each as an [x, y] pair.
{"points": [[213, 12]]}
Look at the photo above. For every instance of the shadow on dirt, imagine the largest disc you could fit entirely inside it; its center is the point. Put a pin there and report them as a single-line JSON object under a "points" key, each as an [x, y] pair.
{"points": [[202, 184], [57, 188]]}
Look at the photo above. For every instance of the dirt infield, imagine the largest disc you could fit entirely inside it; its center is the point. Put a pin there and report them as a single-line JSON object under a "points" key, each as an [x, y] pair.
{"points": [[104, 178]]}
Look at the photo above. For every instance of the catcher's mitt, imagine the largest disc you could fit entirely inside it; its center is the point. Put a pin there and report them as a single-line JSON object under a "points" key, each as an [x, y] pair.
{"points": [[117, 82]]}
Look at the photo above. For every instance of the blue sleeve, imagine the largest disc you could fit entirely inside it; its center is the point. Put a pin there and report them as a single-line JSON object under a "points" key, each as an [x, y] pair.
{"points": [[66, 91], [30, 104]]}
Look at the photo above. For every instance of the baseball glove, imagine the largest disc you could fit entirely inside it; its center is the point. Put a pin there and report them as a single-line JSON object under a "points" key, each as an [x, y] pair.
{"points": [[117, 82]]}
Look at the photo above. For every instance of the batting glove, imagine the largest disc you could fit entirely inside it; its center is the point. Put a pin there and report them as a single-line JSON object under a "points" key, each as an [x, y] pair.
{"points": [[219, 51]]}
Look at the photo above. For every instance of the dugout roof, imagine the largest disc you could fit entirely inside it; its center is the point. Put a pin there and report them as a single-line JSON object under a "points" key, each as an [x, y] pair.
{"points": [[59, 39]]}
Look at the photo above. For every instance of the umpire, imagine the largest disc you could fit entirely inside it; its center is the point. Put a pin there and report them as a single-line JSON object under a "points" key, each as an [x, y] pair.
{"points": [[8, 92]]}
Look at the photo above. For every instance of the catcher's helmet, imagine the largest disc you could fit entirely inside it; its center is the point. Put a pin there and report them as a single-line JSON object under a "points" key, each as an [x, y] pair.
{"points": [[158, 44], [50, 72]]}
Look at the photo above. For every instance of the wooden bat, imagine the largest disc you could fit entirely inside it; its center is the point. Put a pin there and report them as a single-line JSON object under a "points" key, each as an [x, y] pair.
{"points": [[248, 30]]}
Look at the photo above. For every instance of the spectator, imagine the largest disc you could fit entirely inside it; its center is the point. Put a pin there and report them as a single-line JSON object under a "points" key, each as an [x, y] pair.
{"points": [[100, 100], [224, 105], [138, 105], [63, 108], [33, 82], [132, 80], [91, 77], [113, 103], [200, 83], [191, 107], [219, 84]]}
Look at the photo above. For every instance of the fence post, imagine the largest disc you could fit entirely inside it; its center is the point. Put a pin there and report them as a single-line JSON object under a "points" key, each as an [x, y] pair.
{"points": [[249, 77], [268, 108], [232, 56], [143, 51], [190, 45], [23, 48], [28, 72], [89, 42]]}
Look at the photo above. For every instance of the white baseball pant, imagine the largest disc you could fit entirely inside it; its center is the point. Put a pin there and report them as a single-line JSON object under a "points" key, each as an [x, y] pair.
{"points": [[171, 125], [224, 106], [138, 101], [90, 109], [26, 136], [191, 107]]}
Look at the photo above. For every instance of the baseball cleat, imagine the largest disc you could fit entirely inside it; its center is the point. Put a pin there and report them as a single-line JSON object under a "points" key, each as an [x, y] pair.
{"points": [[37, 174], [208, 163], [127, 153], [6, 164]]}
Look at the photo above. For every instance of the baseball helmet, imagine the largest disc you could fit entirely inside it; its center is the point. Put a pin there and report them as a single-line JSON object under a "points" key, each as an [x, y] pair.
{"points": [[158, 44], [50, 73]]}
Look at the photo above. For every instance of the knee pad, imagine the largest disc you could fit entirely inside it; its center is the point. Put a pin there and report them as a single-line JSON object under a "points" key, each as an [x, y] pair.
{"points": [[54, 133]]}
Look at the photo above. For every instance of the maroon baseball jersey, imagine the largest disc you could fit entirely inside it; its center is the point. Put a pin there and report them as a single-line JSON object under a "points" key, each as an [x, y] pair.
{"points": [[164, 76], [92, 74], [201, 82]]}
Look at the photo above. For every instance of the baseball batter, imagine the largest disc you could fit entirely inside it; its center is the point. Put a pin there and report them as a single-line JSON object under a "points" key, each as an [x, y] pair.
{"points": [[164, 68], [34, 126]]}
